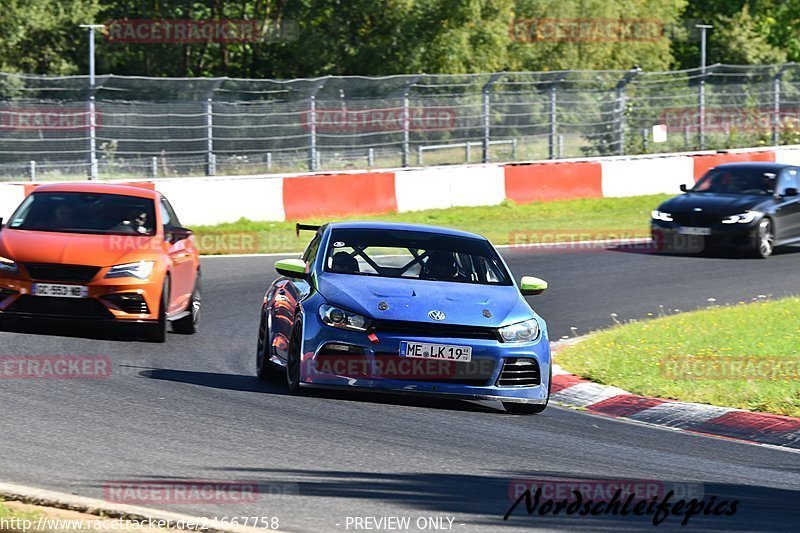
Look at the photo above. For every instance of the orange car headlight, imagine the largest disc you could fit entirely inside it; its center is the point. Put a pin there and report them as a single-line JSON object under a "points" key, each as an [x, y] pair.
{"points": [[8, 265], [140, 270]]}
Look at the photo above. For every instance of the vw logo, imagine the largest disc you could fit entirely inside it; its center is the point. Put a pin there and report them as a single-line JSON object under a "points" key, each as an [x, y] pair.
{"points": [[436, 315]]}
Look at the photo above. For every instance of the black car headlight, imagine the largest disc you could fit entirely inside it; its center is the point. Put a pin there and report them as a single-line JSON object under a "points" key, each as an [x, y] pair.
{"points": [[661, 215], [341, 318], [8, 265], [526, 331], [742, 218], [140, 270]]}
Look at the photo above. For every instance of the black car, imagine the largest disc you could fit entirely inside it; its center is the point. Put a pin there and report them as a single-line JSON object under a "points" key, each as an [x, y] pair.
{"points": [[752, 207]]}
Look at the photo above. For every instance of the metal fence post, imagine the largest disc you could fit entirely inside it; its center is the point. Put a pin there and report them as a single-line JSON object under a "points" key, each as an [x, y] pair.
{"points": [[406, 127], [776, 104], [93, 170], [551, 145], [154, 167], [33, 170], [211, 163], [312, 133], [701, 107], [621, 107], [553, 113], [487, 110]]}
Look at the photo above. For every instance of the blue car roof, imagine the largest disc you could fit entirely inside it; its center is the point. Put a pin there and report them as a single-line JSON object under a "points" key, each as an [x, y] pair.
{"points": [[396, 226]]}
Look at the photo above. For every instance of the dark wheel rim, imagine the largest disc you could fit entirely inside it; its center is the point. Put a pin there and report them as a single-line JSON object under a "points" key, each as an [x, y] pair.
{"points": [[162, 315], [293, 363], [262, 338], [766, 240], [197, 303]]}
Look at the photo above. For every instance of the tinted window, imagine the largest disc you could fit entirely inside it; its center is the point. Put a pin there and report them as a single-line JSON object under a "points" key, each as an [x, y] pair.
{"points": [[789, 180], [414, 255], [74, 212], [741, 180], [311, 250], [168, 217]]}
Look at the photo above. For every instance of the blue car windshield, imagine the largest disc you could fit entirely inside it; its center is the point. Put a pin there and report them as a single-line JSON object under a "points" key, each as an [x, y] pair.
{"points": [[414, 255]]}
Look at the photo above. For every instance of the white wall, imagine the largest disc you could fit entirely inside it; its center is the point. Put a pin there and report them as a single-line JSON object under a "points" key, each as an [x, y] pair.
{"points": [[10, 197], [789, 156], [443, 187], [631, 177], [201, 201]]}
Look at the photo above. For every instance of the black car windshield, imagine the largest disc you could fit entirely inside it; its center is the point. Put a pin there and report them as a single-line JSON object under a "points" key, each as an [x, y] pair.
{"points": [[737, 181], [414, 255], [79, 212]]}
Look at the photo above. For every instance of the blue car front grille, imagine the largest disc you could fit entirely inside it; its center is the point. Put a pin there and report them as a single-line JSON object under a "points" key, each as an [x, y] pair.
{"points": [[520, 372], [428, 329]]}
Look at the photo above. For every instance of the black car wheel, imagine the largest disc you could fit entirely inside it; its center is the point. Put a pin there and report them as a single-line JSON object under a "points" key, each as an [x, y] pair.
{"points": [[190, 324], [293, 361], [530, 408], [766, 239], [158, 332], [264, 368]]}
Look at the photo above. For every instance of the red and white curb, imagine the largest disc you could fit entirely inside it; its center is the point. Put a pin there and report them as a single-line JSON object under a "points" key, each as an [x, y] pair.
{"points": [[727, 422]]}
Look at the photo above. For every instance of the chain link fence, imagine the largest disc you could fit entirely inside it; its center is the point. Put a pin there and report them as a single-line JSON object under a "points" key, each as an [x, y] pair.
{"points": [[135, 127]]}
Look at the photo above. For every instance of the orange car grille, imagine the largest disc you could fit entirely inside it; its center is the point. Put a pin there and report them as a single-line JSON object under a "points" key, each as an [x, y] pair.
{"points": [[55, 272], [59, 307]]}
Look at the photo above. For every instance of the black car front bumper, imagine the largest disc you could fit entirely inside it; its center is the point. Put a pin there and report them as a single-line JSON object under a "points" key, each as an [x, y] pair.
{"points": [[672, 237]]}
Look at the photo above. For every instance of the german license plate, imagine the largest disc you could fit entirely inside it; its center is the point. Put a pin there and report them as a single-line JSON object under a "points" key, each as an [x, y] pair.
{"points": [[447, 352], [62, 291], [694, 231]]}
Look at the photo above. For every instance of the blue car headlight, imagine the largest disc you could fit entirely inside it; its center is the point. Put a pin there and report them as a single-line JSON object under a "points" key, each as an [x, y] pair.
{"points": [[521, 332], [140, 270], [8, 265], [741, 218], [341, 318]]}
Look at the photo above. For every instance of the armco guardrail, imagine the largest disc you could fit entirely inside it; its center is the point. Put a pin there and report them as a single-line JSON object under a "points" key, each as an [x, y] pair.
{"points": [[205, 200]]}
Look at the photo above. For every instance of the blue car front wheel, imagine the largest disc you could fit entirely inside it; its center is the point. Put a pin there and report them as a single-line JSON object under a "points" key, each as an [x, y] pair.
{"points": [[293, 360]]}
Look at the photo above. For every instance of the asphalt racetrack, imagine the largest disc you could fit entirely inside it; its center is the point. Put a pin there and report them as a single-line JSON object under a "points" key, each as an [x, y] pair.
{"points": [[192, 409]]}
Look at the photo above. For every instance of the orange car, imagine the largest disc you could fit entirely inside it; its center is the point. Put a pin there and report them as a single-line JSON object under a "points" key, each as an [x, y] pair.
{"points": [[99, 252]]}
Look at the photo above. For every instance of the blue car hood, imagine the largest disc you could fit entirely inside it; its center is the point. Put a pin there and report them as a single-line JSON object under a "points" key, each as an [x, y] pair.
{"points": [[411, 300]]}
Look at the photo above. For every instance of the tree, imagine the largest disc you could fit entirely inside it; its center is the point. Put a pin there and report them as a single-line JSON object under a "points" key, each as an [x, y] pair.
{"points": [[43, 37]]}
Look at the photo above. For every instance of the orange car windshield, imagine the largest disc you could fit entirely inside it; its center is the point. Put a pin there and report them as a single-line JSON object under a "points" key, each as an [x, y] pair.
{"points": [[93, 213]]}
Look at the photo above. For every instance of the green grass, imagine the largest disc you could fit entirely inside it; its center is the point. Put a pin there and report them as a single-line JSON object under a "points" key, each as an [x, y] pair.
{"points": [[596, 218], [8, 513], [658, 357]]}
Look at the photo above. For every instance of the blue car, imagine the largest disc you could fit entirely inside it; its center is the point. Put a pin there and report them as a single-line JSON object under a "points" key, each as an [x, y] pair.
{"points": [[406, 309]]}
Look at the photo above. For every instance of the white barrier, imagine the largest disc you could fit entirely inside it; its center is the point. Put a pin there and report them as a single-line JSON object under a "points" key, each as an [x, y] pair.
{"points": [[632, 177], [11, 196], [442, 187], [202, 201]]}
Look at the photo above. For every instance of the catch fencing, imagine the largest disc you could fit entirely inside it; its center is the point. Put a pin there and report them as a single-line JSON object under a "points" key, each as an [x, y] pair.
{"points": [[137, 127]]}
